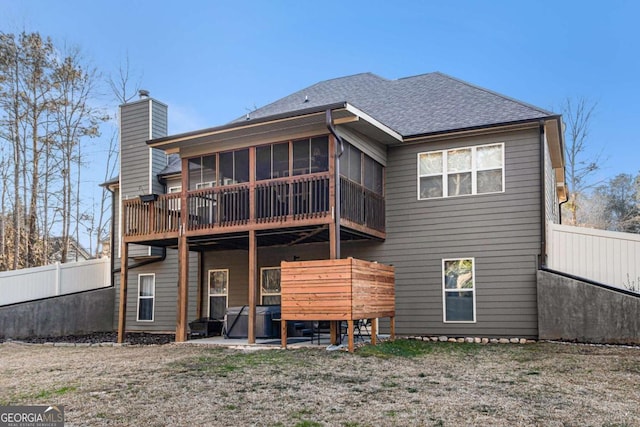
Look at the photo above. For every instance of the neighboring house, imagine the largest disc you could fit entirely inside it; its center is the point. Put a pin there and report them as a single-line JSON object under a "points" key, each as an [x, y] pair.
{"points": [[75, 251], [450, 183]]}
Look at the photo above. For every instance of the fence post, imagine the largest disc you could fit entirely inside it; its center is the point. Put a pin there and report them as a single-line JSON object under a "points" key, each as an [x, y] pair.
{"points": [[57, 278]]}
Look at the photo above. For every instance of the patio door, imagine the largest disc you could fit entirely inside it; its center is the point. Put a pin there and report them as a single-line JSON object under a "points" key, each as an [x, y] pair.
{"points": [[218, 293]]}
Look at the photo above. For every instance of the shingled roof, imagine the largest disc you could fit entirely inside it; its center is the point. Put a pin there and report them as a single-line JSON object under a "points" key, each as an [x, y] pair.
{"points": [[423, 104]]}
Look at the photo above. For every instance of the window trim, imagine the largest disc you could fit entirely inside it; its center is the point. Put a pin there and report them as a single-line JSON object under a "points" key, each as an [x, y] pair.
{"points": [[152, 297], [474, 171], [270, 294], [444, 290], [226, 295]]}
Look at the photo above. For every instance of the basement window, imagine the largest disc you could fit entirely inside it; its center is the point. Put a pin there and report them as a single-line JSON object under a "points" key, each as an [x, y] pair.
{"points": [[459, 294], [146, 297], [270, 286]]}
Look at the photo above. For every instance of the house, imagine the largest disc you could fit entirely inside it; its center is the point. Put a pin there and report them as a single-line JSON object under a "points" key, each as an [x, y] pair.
{"points": [[75, 251], [450, 183]]}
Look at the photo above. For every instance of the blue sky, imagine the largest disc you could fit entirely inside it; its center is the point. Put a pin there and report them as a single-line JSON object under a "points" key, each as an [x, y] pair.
{"points": [[213, 61]]}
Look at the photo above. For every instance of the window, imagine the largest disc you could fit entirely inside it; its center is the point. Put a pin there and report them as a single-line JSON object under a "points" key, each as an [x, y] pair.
{"points": [[234, 167], [270, 286], [146, 296], [202, 169], [218, 293], [310, 155], [459, 296], [460, 172], [272, 161], [373, 175], [351, 163]]}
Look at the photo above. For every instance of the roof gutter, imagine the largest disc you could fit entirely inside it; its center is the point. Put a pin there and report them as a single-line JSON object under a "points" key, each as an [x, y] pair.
{"points": [[338, 153], [160, 142], [456, 133]]}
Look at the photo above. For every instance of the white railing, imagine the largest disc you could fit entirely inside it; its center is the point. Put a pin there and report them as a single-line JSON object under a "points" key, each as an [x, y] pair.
{"points": [[607, 257], [53, 280]]}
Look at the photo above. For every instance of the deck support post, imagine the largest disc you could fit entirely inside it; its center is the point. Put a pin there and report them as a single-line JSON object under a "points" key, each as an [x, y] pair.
{"points": [[183, 259], [183, 288], [283, 332], [350, 333], [392, 328], [253, 267], [124, 277], [374, 330]]}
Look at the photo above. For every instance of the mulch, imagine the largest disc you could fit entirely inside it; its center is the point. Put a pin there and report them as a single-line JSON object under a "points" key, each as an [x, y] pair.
{"points": [[133, 338]]}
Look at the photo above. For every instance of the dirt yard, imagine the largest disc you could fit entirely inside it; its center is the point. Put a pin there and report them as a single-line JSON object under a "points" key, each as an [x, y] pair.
{"points": [[411, 383]]}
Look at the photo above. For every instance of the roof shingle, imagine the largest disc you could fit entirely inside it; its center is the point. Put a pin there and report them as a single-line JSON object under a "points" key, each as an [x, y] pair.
{"points": [[421, 104]]}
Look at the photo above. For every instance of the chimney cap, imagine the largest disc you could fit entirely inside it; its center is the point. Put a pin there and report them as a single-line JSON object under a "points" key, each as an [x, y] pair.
{"points": [[143, 93]]}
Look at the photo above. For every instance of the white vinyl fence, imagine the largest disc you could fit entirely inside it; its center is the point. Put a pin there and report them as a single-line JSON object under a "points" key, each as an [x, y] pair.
{"points": [[607, 257], [53, 280]]}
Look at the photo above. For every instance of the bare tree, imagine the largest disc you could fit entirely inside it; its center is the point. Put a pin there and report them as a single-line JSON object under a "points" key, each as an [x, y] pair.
{"points": [[578, 114], [121, 86], [47, 114], [76, 119]]}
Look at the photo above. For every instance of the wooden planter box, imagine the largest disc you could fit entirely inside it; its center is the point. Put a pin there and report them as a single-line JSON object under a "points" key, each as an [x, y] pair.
{"points": [[337, 289]]}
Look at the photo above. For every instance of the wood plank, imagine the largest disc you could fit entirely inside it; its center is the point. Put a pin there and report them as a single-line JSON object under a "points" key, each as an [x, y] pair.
{"points": [[253, 275], [392, 328], [283, 332], [350, 333], [374, 330], [124, 278], [183, 289]]}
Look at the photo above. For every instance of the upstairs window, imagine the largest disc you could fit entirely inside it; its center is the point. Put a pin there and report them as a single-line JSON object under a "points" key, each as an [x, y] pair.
{"points": [[202, 170], [358, 167], [234, 167], [272, 161], [310, 155], [461, 171]]}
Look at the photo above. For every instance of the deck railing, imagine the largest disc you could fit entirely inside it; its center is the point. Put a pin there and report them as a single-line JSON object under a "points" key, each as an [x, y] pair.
{"points": [[361, 205], [297, 198], [290, 199], [155, 217], [218, 207]]}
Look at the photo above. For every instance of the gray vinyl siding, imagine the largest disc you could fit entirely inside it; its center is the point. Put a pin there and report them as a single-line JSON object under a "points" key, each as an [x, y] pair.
{"points": [[158, 130], [500, 231], [166, 293], [140, 121]]}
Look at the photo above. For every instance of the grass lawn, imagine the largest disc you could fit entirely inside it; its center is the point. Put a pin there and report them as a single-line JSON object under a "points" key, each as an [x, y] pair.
{"points": [[406, 383]]}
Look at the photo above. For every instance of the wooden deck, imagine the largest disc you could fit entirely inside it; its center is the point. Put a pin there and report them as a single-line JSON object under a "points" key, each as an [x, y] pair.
{"points": [[278, 203], [337, 290]]}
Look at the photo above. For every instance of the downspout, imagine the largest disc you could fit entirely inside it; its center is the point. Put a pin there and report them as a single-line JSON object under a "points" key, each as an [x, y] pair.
{"points": [[560, 208], [113, 237], [339, 151], [543, 205]]}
